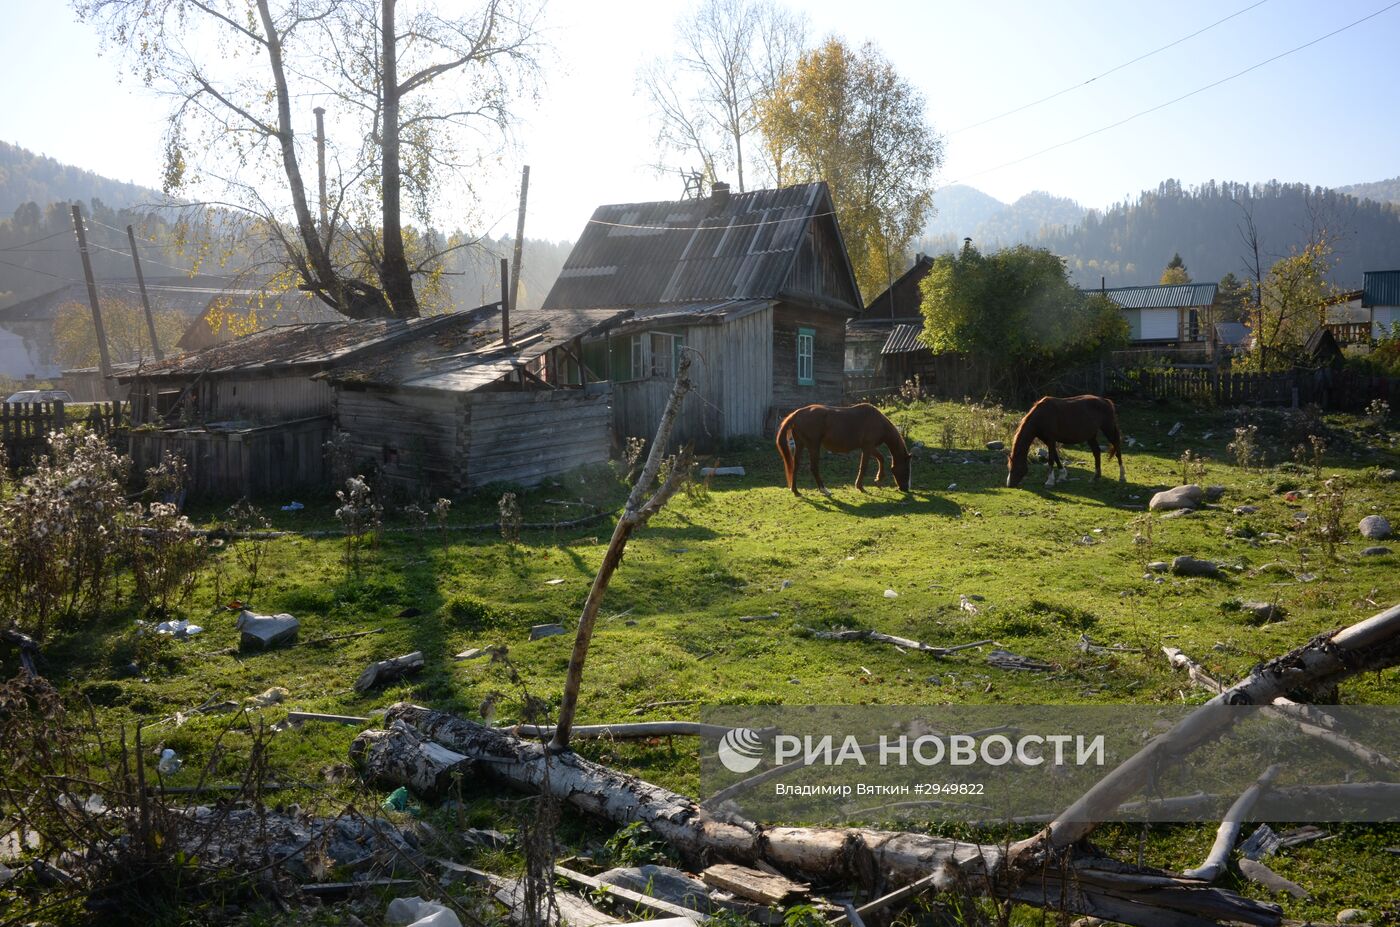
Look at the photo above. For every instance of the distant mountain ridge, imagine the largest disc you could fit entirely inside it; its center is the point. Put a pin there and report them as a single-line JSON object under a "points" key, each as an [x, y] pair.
{"points": [[1130, 242], [26, 177]]}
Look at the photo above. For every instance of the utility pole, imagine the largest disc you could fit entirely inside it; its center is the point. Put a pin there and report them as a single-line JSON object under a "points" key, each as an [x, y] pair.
{"points": [[320, 112], [145, 300], [106, 360], [519, 236], [505, 302]]}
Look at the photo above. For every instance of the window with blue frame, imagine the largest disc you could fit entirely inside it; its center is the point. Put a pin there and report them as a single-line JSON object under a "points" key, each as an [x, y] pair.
{"points": [[806, 348]]}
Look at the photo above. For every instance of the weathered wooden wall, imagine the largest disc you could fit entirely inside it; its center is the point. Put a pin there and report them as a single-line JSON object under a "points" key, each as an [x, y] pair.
{"points": [[271, 460], [746, 365], [637, 404], [414, 439], [820, 268], [526, 438], [265, 398], [828, 359]]}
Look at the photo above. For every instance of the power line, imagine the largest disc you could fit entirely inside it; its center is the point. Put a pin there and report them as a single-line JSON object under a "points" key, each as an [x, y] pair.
{"points": [[1217, 83], [1072, 87], [36, 241]]}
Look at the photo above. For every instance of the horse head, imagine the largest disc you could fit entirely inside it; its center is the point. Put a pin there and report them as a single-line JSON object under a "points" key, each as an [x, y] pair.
{"points": [[1016, 468], [899, 466]]}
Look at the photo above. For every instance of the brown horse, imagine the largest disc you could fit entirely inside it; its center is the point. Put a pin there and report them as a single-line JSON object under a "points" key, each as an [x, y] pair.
{"points": [[842, 429], [1068, 421]]}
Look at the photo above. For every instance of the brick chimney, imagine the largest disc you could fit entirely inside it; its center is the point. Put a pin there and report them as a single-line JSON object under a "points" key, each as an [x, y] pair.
{"points": [[719, 193]]}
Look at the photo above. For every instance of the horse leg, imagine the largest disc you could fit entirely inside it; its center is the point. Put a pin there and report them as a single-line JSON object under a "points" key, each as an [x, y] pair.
{"points": [[1094, 446], [860, 474], [880, 468], [814, 451], [1062, 475], [1115, 447], [1051, 460]]}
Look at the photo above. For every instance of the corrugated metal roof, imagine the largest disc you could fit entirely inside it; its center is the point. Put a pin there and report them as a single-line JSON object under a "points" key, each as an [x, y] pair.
{"points": [[905, 339], [705, 250], [1380, 288], [187, 295], [1161, 297], [1232, 334]]}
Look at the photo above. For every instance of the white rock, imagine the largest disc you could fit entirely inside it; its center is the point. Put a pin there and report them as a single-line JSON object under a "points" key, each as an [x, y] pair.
{"points": [[545, 630], [1350, 916], [1182, 497], [266, 631], [1374, 527], [415, 912]]}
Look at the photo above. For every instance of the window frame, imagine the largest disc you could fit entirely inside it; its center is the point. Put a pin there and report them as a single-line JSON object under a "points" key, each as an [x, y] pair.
{"points": [[809, 335]]}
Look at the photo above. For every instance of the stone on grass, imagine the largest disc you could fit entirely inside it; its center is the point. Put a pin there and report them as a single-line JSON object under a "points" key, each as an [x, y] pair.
{"points": [[545, 630], [1182, 497], [1179, 513], [1374, 527], [1261, 612], [1351, 916], [263, 632], [1001, 446], [1387, 475], [1159, 566], [1191, 566], [1375, 551], [1246, 509]]}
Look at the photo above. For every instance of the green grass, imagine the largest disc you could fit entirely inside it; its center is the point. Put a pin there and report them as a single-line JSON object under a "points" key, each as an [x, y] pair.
{"points": [[669, 627]]}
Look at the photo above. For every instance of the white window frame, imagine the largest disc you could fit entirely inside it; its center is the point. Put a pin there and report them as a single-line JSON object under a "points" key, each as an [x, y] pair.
{"points": [[806, 357]]}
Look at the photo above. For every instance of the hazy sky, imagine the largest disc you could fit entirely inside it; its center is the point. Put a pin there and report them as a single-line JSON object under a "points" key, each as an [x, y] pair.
{"points": [[1325, 115]]}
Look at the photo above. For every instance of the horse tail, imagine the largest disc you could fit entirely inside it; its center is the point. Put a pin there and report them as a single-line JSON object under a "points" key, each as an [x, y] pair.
{"points": [[786, 452], [1115, 436]]}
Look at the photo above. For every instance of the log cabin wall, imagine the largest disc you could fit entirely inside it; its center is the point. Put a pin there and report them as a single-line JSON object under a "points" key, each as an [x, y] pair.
{"points": [[413, 439], [828, 358], [525, 438]]}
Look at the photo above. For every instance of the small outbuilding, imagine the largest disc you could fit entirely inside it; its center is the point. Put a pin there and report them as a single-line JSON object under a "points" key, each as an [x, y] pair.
{"points": [[758, 285]]}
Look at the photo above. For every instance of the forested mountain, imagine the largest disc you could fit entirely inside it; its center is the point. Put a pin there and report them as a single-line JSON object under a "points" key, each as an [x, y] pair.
{"points": [[1132, 241], [26, 177], [965, 212], [1382, 191]]}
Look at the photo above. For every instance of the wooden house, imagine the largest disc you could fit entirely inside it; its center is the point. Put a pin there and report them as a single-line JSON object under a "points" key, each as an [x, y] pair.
{"points": [[252, 416], [757, 284], [882, 348], [1167, 315], [1381, 297]]}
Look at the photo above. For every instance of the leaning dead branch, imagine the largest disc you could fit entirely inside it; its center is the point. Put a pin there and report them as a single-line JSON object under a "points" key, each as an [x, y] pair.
{"points": [[635, 514], [1310, 719], [903, 643], [1229, 832], [1319, 664], [1078, 881], [640, 730]]}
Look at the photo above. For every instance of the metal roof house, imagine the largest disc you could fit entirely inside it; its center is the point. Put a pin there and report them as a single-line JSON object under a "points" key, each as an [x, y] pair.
{"points": [[868, 335], [1380, 293], [758, 284], [432, 405], [1165, 315]]}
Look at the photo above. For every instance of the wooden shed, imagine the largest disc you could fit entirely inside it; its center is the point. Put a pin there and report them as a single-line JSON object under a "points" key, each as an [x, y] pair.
{"points": [[757, 284]]}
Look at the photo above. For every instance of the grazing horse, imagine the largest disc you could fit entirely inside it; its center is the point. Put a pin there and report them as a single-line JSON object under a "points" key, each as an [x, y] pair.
{"points": [[842, 429], [1068, 421]]}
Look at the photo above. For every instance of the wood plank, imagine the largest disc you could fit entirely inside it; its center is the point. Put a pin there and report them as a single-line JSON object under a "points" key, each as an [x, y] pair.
{"points": [[635, 898], [754, 885]]}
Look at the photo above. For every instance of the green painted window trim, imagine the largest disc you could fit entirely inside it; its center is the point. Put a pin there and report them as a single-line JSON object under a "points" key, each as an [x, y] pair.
{"points": [[811, 357]]}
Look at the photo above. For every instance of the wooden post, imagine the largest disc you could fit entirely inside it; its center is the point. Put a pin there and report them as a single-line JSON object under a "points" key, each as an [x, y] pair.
{"points": [[105, 358], [145, 300], [320, 112], [519, 237]]}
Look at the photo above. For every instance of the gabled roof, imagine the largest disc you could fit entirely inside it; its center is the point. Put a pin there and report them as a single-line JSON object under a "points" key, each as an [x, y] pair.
{"points": [[902, 298], [1169, 296], [187, 295], [1380, 288], [723, 247]]}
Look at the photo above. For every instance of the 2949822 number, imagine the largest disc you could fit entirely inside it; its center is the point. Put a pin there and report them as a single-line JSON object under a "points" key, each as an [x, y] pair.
{"points": [[950, 788]]}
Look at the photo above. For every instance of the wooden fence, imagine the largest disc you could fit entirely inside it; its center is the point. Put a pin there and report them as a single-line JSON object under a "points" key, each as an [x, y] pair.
{"points": [[25, 427], [257, 462], [1335, 390]]}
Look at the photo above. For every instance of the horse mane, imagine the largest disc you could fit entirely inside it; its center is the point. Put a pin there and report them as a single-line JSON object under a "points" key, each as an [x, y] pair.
{"points": [[1027, 425]]}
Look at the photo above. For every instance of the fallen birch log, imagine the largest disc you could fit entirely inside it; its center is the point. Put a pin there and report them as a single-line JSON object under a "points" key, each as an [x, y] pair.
{"points": [[1321, 663], [1078, 881], [389, 670], [1310, 720], [399, 756], [632, 730], [1255, 871], [902, 642]]}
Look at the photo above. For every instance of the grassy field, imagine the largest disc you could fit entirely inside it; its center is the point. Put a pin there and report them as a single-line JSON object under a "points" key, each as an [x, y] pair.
{"points": [[1050, 566]]}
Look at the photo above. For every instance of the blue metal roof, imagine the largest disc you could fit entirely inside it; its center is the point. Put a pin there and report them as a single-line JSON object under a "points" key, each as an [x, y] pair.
{"points": [[1380, 288], [1161, 297]]}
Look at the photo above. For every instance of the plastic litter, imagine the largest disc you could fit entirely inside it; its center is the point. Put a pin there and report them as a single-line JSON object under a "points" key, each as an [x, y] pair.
{"points": [[396, 800], [169, 763], [293, 507], [180, 630], [415, 912]]}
